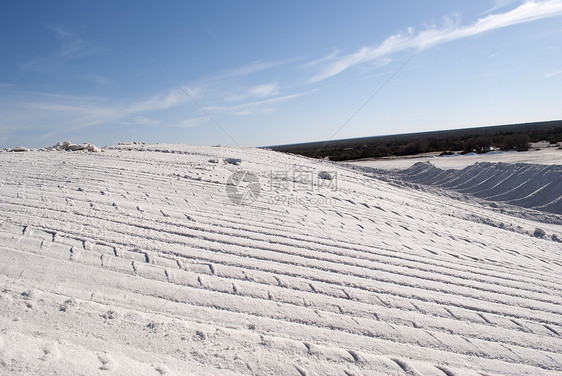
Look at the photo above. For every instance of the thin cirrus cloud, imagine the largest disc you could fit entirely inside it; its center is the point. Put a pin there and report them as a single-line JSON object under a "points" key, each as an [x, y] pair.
{"points": [[233, 93], [265, 90], [251, 68], [328, 57], [552, 74], [498, 4], [71, 47], [190, 122], [58, 112], [160, 102], [143, 121], [527, 12], [261, 106], [40, 112]]}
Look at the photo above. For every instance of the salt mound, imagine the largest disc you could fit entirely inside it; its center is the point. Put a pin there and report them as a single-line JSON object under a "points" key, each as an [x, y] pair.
{"points": [[527, 185], [68, 146], [18, 149]]}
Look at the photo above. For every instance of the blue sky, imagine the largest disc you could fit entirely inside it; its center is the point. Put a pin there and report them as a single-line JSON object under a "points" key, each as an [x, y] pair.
{"points": [[272, 72]]}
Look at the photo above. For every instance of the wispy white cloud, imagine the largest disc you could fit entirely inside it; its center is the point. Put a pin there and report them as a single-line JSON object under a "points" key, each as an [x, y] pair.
{"points": [[159, 102], [499, 4], [262, 106], [230, 92], [223, 89], [243, 112], [266, 110], [250, 69], [70, 47], [87, 110], [328, 57], [264, 90], [40, 113], [30, 111], [225, 92], [190, 122], [59, 114], [452, 30], [552, 74], [231, 95]]}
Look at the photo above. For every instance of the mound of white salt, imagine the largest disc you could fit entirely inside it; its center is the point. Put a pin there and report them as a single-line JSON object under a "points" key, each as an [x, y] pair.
{"points": [[68, 146], [18, 149], [522, 184]]}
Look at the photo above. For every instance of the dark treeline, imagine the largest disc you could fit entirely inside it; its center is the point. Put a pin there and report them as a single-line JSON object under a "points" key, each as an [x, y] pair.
{"points": [[478, 140]]}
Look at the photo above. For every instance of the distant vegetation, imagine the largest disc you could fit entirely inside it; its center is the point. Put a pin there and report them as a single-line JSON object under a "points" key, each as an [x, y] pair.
{"points": [[477, 140]]}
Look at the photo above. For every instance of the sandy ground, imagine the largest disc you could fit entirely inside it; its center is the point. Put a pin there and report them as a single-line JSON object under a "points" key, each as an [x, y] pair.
{"points": [[134, 261]]}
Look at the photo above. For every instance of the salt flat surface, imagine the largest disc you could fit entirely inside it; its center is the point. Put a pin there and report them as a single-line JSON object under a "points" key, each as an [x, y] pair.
{"points": [[133, 261], [547, 156]]}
